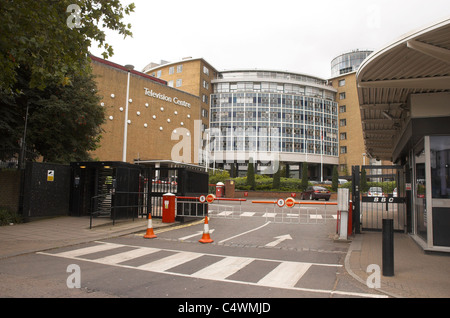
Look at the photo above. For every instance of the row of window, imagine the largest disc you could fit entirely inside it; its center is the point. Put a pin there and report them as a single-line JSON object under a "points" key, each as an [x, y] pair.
{"points": [[269, 87], [274, 101], [275, 145]]}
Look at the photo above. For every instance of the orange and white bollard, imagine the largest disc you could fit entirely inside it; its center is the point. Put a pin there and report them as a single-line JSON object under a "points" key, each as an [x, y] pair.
{"points": [[149, 234], [206, 237]]}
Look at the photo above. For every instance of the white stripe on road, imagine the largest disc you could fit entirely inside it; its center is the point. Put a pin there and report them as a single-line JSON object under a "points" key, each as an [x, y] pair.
{"points": [[168, 262], [126, 256], [287, 274], [89, 250], [223, 268]]}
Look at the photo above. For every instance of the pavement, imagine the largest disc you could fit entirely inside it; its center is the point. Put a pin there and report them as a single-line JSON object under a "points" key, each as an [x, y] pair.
{"points": [[416, 274]]}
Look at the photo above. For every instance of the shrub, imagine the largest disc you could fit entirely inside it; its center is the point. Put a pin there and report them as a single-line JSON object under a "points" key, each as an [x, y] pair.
{"points": [[7, 217]]}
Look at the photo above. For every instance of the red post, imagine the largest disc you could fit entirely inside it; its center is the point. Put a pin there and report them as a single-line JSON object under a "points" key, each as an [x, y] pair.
{"points": [[168, 208]]}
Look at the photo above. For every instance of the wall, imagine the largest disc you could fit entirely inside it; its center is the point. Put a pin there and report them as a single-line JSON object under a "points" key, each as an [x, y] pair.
{"points": [[355, 141], [143, 142]]}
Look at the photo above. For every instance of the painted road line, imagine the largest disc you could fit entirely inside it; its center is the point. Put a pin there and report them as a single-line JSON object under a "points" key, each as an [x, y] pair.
{"points": [[223, 268], [192, 235], [225, 213], [89, 250], [287, 274], [248, 214], [269, 215], [249, 231], [278, 240], [168, 262], [126, 256], [316, 217]]}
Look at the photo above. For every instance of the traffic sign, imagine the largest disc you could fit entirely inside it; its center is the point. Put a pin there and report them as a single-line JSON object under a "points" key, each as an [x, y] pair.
{"points": [[210, 198], [202, 199], [290, 202], [280, 202]]}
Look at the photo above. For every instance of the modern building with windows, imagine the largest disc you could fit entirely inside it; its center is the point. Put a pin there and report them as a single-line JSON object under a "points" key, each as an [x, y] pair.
{"points": [[352, 149], [194, 76], [271, 118]]}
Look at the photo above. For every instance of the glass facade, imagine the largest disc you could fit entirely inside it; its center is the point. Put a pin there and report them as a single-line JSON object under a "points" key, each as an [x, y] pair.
{"points": [[274, 111], [348, 62]]}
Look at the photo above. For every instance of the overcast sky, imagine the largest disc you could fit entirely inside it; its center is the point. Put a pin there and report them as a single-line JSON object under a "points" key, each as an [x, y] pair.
{"points": [[293, 35]]}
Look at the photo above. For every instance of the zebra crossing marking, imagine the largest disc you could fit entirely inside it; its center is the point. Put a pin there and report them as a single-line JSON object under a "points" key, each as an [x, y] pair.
{"points": [[285, 275]]}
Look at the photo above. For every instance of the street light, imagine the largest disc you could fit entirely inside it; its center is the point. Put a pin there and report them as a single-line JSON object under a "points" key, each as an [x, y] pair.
{"points": [[125, 128]]}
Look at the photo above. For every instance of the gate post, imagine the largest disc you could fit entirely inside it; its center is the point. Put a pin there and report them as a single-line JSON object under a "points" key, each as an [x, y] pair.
{"points": [[356, 219], [388, 247]]}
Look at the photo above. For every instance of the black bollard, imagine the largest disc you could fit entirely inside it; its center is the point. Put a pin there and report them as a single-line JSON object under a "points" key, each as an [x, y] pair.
{"points": [[388, 247]]}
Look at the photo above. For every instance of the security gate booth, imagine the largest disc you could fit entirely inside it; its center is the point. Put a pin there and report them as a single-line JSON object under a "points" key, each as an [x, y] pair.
{"points": [[378, 192], [116, 190]]}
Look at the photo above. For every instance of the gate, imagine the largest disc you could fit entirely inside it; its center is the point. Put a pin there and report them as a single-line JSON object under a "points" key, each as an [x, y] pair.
{"points": [[378, 192], [181, 181]]}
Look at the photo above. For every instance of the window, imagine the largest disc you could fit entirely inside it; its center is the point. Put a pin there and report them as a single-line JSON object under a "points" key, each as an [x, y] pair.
{"points": [[343, 149], [205, 70], [342, 109], [343, 122], [179, 82], [158, 74], [343, 136], [170, 84], [205, 84], [205, 99], [171, 70], [204, 113], [342, 82], [342, 95], [179, 68]]}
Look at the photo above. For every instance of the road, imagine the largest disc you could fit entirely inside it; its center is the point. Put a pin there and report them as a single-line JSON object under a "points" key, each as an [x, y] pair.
{"points": [[263, 255]]}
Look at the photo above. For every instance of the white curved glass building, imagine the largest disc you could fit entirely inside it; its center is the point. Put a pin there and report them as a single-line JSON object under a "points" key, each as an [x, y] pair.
{"points": [[348, 62], [273, 117]]}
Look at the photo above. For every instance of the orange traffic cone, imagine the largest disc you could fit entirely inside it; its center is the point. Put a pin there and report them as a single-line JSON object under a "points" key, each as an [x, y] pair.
{"points": [[149, 234], [206, 238]]}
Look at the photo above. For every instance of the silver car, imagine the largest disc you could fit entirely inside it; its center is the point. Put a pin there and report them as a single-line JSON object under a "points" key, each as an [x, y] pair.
{"points": [[375, 192]]}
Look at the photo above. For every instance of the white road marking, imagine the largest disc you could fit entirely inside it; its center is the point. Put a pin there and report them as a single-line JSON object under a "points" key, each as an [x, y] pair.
{"points": [[286, 275], [168, 262], [223, 268]]}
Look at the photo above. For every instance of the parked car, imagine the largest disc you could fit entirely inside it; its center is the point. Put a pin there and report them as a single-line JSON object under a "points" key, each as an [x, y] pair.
{"points": [[342, 181], [395, 194], [375, 192], [316, 193]]}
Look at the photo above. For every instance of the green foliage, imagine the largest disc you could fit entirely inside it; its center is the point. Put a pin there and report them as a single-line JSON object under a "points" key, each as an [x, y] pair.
{"points": [[63, 122], [34, 35], [363, 181], [276, 180], [335, 179], [218, 176], [7, 217], [251, 175], [265, 183]]}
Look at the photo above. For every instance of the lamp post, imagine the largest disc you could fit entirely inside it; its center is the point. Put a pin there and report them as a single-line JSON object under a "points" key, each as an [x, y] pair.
{"points": [[125, 128]]}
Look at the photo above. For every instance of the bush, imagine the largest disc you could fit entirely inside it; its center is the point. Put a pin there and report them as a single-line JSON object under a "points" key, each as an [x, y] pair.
{"points": [[7, 217], [218, 176]]}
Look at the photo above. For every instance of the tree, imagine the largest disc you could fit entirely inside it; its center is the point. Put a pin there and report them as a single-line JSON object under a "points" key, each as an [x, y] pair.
{"points": [[251, 175], [335, 179], [63, 122], [276, 179], [40, 36], [304, 176], [44, 55], [363, 181]]}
